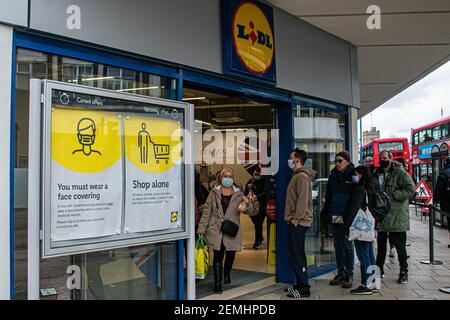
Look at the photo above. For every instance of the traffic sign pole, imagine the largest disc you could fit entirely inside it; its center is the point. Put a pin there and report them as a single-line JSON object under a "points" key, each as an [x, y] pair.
{"points": [[431, 239]]}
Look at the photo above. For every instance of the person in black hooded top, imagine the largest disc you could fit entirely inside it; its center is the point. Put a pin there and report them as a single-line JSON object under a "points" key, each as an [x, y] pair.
{"points": [[362, 198]]}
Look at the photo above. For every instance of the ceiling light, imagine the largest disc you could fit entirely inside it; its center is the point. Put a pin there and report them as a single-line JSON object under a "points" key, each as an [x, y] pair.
{"points": [[194, 98], [204, 122], [98, 78], [136, 89]]}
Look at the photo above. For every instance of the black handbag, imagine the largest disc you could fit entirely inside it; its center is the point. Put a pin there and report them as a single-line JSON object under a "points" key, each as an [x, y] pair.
{"points": [[229, 228], [381, 205]]}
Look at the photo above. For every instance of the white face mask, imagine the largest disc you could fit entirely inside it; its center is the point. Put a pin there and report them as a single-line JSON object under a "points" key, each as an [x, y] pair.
{"points": [[291, 164]]}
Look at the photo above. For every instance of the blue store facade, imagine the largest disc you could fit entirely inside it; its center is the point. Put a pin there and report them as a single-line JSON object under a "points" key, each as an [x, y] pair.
{"points": [[161, 49]]}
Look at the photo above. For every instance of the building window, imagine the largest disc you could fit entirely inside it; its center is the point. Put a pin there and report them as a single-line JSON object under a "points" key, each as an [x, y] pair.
{"points": [[321, 134], [143, 272]]}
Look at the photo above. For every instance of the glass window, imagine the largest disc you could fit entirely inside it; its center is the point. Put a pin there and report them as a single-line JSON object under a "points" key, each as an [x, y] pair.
{"points": [[143, 272], [397, 146], [422, 136], [428, 135], [436, 133], [416, 138], [321, 134], [444, 130]]}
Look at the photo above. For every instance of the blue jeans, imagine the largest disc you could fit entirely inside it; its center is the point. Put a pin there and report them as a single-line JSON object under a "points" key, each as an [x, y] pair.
{"points": [[364, 251], [297, 254], [345, 256]]}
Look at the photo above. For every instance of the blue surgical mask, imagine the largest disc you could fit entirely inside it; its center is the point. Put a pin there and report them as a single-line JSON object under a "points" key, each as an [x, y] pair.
{"points": [[227, 182], [355, 179]]}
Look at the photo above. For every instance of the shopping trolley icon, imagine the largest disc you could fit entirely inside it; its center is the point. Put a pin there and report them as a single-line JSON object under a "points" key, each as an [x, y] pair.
{"points": [[161, 151]]}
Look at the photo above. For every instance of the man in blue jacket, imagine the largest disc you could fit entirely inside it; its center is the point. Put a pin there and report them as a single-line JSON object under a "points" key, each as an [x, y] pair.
{"points": [[337, 198]]}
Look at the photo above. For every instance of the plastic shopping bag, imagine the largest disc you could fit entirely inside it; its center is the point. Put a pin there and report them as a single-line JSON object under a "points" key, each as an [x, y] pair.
{"points": [[363, 227], [201, 259]]}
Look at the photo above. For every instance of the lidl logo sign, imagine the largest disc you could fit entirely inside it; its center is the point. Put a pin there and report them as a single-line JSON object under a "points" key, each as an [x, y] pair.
{"points": [[253, 37], [249, 44]]}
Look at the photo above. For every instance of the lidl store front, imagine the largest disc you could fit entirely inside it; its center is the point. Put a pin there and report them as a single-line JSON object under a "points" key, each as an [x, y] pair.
{"points": [[236, 65]]}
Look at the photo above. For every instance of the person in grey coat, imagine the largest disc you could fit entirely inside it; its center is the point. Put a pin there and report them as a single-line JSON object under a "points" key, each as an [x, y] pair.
{"points": [[225, 202]]}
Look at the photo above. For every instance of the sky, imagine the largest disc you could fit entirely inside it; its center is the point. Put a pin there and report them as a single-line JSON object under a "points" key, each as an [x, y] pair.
{"points": [[416, 106]]}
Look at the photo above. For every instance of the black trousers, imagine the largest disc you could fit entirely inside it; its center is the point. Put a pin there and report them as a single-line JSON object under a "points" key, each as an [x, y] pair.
{"points": [[258, 222], [399, 241], [297, 254], [229, 258]]}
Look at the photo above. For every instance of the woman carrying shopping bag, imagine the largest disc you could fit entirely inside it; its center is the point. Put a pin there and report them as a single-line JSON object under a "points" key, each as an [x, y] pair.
{"points": [[220, 224], [360, 225], [201, 258]]}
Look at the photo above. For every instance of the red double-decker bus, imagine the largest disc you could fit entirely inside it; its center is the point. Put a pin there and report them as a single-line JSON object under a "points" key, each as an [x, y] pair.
{"points": [[423, 139], [398, 146]]}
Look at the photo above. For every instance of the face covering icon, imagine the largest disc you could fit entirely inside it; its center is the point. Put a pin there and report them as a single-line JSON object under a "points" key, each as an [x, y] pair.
{"points": [[86, 136]]}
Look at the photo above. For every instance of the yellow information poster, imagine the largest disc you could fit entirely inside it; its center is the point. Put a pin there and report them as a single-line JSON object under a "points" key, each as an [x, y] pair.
{"points": [[153, 186], [86, 175]]}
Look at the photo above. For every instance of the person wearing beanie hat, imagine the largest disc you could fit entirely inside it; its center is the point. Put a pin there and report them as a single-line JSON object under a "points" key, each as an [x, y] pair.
{"points": [[344, 154], [337, 200]]}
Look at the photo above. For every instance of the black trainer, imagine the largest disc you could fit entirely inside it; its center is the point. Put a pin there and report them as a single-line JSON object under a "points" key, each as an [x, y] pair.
{"points": [[294, 294], [361, 290], [304, 292], [403, 277]]}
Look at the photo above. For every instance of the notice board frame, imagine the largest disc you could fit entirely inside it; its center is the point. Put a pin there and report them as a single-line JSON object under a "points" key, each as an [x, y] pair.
{"points": [[40, 126]]}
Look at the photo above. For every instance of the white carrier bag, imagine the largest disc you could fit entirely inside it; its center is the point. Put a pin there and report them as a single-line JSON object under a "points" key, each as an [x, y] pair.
{"points": [[363, 226]]}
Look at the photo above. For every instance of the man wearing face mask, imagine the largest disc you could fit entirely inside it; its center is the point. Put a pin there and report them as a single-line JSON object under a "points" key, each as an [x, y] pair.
{"points": [[337, 199], [257, 184], [398, 185], [298, 216]]}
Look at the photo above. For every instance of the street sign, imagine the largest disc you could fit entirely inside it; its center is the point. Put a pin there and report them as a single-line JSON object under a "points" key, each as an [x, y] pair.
{"points": [[423, 192]]}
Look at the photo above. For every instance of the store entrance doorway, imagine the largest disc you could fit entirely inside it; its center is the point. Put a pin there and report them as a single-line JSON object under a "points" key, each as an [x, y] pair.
{"points": [[236, 119]]}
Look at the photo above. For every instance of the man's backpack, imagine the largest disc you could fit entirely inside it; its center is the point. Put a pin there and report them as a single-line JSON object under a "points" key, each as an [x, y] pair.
{"points": [[381, 205]]}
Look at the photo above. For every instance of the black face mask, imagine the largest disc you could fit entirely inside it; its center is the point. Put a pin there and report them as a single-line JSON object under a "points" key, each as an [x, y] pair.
{"points": [[384, 163]]}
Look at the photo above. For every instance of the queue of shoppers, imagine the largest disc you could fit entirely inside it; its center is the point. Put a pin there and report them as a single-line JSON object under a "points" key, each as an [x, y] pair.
{"points": [[351, 193]]}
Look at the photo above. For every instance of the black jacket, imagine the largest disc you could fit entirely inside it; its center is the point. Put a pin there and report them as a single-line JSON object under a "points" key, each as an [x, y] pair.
{"points": [[339, 191], [441, 192], [357, 201], [259, 190]]}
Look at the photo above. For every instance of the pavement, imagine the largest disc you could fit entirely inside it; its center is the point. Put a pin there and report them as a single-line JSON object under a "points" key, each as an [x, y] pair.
{"points": [[424, 280]]}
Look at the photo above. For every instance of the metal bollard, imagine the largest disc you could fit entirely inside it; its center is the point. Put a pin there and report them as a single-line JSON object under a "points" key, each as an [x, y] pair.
{"points": [[431, 239]]}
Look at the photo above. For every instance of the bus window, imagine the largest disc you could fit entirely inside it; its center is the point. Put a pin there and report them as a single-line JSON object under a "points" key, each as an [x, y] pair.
{"points": [[444, 130], [396, 146], [416, 138], [422, 136], [428, 136], [436, 133]]}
